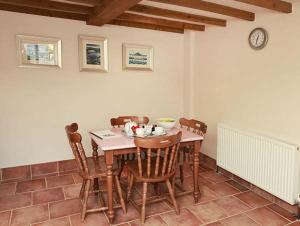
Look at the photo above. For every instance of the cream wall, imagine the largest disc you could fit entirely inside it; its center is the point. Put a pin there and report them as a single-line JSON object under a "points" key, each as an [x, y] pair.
{"points": [[36, 104], [252, 90]]}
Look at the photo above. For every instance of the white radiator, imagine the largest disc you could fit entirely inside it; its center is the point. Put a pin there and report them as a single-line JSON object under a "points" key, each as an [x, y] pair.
{"points": [[270, 164]]}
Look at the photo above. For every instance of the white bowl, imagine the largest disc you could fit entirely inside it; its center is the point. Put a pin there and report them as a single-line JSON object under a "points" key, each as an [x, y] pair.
{"points": [[166, 123]]}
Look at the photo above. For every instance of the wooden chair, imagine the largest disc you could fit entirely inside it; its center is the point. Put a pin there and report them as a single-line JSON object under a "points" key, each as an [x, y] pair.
{"points": [[186, 153], [159, 166], [90, 169], [122, 120]]}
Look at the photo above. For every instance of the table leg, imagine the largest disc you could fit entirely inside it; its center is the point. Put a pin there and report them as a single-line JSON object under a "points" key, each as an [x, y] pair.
{"points": [[109, 178], [197, 146], [95, 149]]}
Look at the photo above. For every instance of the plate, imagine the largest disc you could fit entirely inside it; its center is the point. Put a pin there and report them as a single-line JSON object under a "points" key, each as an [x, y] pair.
{"points": [[155, 134]]}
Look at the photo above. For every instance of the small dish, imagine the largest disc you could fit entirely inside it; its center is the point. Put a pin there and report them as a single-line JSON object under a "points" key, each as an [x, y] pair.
{"points": [[158, 134]]}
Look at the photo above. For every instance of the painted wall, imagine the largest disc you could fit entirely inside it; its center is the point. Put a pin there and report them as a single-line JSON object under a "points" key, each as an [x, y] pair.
{"points": [[253, 90], [36, 104]]}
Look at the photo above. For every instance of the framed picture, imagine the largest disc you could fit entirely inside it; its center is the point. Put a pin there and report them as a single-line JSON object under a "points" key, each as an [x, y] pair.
{"points": [[93, 54], [35, 51], [137, 57]]}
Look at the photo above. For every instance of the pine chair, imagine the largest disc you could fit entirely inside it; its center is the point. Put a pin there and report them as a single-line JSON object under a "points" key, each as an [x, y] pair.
{"points": [[159, 166], [186, 153], [122, 120], [90, 169]]}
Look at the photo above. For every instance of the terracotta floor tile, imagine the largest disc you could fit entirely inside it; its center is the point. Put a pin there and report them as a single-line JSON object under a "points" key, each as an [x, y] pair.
{"points": [[44, 168], [4, 218], [15, 201], [208, 212], [237, 185], [296, 223], [132, 214], [29, 215], [266, 217], [19, 172], [67, 165], [252, 199], [282, 212], [7, 189], [31, 185], [72, 191], [239, 220], [65, 208], [59, 181], [77, 178], [49, 195], [56, 222], [214, 177], [263, 193], [92, 219], [151, 221], [44, 176], [232, 205], [155, 208], [185, 218], [217, 223], [222, 189], [206, 194]]}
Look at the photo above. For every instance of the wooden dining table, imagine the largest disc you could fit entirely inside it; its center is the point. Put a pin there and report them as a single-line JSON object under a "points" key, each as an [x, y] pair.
{"points": [[122, 144]]}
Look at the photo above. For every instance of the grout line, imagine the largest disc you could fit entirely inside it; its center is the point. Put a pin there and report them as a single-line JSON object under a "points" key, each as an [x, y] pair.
{"points": [[49, 211], [30, 170]]}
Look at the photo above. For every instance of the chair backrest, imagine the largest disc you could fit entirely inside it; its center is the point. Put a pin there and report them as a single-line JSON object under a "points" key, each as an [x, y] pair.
{"points": [[122, 120], [77, 148], [193, 125], [161, 152]]}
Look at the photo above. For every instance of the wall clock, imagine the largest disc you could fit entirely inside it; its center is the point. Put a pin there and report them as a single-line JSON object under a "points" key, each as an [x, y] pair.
{"points": [[258, 38]]}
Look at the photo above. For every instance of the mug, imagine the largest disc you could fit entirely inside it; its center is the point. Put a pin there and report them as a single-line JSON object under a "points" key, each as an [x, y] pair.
{"points": [[140, 132], [148, 129], [159, 130]]}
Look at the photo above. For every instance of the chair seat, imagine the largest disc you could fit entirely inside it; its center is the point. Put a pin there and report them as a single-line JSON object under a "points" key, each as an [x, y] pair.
{"points": [[133, 167], [97, 168]]}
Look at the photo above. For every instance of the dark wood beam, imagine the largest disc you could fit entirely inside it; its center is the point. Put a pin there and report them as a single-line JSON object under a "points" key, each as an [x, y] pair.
{"points": [[145, 9], [145, 26], [211, 7], [109, 10], [42, 12], [160, 22], [50, 5], [277, 5]]}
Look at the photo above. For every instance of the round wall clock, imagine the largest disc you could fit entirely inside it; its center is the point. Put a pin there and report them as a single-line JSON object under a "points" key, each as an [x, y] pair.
{"points": [[258, 38]]}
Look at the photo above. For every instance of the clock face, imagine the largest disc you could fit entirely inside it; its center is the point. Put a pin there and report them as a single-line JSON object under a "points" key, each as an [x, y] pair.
{"points": [[258, 38]]}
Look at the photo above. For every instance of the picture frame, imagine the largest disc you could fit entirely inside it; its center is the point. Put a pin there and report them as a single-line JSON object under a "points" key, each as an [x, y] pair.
{"points": [[93, 53], [137, 57], [38, 51]]}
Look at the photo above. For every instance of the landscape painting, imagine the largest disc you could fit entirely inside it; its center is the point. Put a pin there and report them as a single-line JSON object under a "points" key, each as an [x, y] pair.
{"points": [[93, 54], [137, 57]]}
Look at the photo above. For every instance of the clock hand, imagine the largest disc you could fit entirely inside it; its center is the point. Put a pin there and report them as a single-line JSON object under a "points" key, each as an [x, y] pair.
{"points": [[257, 39]]}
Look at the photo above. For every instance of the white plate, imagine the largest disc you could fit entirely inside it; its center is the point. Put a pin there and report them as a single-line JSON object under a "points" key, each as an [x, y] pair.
{"points": [[156, 134]]}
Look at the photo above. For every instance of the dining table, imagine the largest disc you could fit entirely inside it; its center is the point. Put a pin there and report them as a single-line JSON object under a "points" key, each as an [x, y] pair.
{"points": [[122, 144]]}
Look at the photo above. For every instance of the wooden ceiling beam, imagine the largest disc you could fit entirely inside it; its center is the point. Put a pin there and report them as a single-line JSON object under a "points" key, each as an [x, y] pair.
{"points": [[211, 7], [145, 9], [277, 5], [160, 22], [50, 5], [88, 2], [109, 10], [42, 12], [145, 26]]}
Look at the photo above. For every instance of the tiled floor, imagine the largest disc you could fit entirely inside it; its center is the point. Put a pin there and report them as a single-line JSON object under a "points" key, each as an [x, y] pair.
{"points": [[52, 200]]}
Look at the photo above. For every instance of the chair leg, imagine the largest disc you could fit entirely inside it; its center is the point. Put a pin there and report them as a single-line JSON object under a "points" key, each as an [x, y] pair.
{"points": [[119, 191], [171, 191], [143, 213], [130, 184], [85, 199], [82, 189]]}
